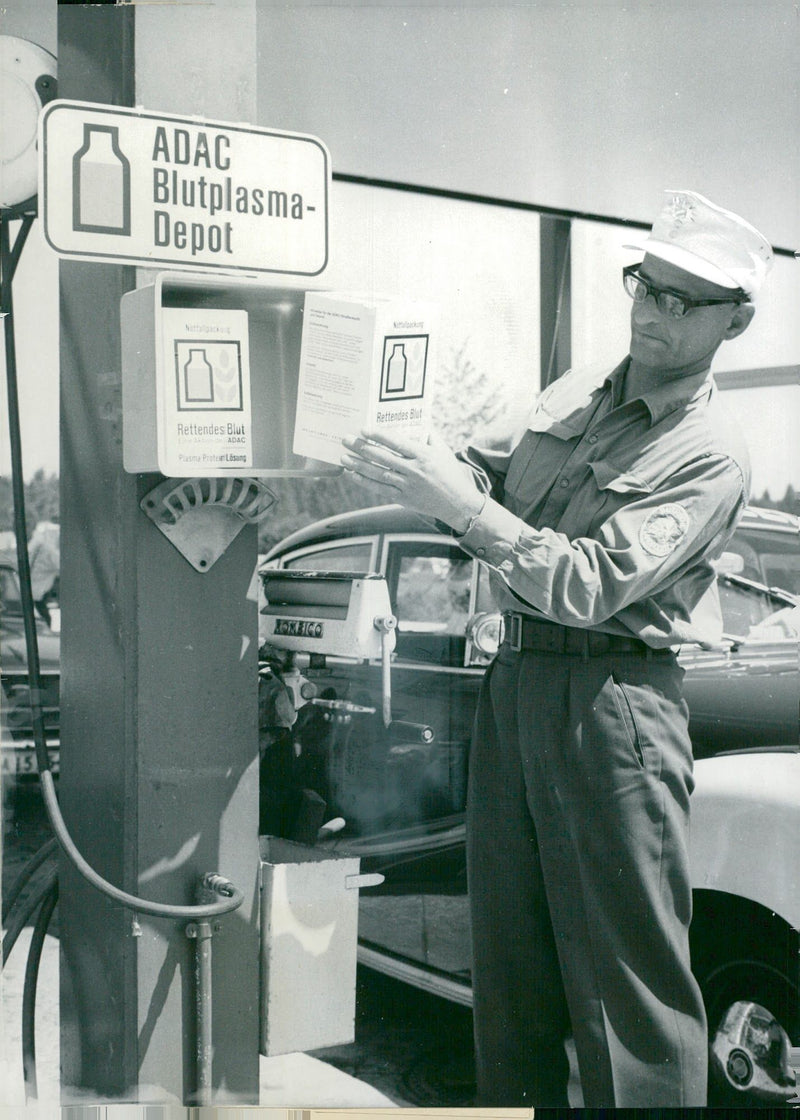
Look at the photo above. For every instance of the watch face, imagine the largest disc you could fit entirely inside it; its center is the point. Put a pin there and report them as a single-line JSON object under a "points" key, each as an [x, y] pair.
{"points": [[27, 72]]}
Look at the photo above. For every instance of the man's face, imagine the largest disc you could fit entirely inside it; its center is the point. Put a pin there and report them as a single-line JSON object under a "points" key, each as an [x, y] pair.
{"points": [[686, 345]]}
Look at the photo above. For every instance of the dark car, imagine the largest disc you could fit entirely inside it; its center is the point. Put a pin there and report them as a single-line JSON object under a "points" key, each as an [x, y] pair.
{"points": [[16, 728], [401, 789]]}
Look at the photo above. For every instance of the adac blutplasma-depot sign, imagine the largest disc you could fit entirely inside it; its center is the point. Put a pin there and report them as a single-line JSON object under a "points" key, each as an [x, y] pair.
{"points": [[127, 185]]}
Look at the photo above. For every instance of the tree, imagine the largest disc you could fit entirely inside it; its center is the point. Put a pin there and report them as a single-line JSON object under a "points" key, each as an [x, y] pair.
{"points": [[41, 500], [467, 403], [789, 503]]}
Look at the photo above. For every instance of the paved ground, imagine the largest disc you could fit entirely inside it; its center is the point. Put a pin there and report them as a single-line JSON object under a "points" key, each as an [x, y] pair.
{"points": [[293, 1080], [413, 1046], [411, 1049]]}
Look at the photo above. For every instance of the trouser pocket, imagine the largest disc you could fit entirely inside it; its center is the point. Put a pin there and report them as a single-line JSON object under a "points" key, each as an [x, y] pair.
{"points": [[627, 716]]}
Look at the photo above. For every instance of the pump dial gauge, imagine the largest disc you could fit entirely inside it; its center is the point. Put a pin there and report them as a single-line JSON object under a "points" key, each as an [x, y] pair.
{"points": [[27, 82]]}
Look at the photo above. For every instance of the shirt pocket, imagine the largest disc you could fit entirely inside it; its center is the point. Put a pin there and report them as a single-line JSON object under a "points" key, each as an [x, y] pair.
{"points": [[539, 457], [608, 476], [615, 489]]}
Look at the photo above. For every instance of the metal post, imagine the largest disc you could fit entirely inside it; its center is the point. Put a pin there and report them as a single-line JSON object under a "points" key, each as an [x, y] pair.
{"points": [[159, 757], [555, 297]]}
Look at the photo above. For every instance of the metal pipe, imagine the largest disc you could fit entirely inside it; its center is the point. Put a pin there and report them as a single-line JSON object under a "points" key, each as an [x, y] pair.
{"points": [[386, 626], [202, 933], [386, 675]]}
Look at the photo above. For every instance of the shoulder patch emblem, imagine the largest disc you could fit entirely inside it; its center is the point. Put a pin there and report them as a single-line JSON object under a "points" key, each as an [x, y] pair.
{"points": [[663, 529]]}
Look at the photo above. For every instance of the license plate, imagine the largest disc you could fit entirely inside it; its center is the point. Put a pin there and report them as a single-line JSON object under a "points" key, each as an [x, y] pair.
{"points": [[24, 762]]}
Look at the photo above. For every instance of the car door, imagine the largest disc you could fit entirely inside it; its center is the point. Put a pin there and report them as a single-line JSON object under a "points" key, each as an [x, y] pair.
{"points": [[744, 694], [432, 587], [420, 918], [412, 773]]}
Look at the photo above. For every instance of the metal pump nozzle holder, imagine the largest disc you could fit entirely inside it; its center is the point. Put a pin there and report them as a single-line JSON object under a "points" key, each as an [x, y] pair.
{"points": [[337, 614], [201, 517]]}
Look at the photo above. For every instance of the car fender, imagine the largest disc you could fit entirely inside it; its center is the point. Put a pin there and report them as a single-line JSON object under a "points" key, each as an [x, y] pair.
{"points": [[745, 828]]}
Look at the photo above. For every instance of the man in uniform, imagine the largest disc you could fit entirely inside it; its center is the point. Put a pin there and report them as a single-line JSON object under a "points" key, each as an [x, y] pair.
{"points": [[600, 530]]}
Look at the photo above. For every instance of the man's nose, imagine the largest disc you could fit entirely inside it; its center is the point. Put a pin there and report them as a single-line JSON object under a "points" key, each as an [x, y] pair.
{"points": [[646, 312]]}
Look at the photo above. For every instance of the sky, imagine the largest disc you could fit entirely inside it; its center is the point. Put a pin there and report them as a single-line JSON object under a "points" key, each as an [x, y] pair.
{"points": [[489, 298]]}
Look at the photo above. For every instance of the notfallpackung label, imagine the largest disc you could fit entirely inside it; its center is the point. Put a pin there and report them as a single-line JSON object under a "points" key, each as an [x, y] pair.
{"points": [[206, 421], [366, 362]]}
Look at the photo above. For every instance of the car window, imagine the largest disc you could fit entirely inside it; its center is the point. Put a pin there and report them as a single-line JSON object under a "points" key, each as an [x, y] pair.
{"points": [[9, 592], [772, 558], [432, 594], [781, 569], [430, 586], [350, 557], [743, 607]]}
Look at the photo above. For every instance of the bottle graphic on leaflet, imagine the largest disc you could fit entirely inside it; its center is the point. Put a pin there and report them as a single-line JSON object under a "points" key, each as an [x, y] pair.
{"points": [[396, 369], [101, 183], [198, 378]]}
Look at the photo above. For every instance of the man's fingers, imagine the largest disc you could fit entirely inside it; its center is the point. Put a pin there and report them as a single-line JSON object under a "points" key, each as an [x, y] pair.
{"points": [[385, 478], [405, 447], [372, 472], [373, 460], [374, 453]]}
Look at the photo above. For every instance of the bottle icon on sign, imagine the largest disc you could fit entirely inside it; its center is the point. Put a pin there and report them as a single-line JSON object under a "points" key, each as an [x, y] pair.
{"points": [[101, 183], [198, 378], [396, 369]]}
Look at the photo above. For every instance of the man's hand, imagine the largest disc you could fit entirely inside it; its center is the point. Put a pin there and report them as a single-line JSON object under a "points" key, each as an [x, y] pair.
{"points": [[425, 477]]}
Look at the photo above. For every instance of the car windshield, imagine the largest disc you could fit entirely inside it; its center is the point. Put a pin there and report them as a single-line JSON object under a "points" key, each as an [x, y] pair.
{"points": [[768, 557], [757, 613], [337, 558]]}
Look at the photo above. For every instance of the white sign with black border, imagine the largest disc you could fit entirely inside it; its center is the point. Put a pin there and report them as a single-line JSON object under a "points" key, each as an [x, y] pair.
{"points": [[131, 186], [205, 419]]}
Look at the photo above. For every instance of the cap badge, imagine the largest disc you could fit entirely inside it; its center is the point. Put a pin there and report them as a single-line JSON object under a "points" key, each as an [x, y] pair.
{"points": [[680, 210]]}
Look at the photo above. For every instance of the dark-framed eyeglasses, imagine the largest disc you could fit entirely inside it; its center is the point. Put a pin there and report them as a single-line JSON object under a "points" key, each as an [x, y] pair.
{"points": [[669, 302]]}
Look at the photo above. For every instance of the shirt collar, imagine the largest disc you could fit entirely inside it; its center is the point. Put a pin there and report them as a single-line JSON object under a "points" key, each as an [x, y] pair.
{"points": [[666, 396]]}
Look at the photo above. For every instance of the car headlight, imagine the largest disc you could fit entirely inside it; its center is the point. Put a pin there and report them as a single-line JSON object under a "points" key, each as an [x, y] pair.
{"points": [[485, 632]]}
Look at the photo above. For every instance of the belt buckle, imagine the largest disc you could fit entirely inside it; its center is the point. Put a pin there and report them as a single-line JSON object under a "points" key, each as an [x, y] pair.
{"points": [[515, 631]]}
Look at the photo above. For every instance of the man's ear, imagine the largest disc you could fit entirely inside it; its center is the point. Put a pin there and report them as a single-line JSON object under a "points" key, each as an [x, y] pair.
{"points": [[740, 320]]}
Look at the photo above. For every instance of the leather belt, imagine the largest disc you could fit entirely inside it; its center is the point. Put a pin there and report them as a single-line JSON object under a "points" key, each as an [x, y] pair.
{"points": [[522, 632]]}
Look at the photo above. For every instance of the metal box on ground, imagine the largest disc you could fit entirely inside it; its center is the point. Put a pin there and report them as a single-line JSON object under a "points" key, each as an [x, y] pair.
{"points": [[309, 929]]}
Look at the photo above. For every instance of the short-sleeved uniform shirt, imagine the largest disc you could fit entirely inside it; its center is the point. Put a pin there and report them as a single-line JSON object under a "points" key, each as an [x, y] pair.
{"points": [[609, 515]]}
